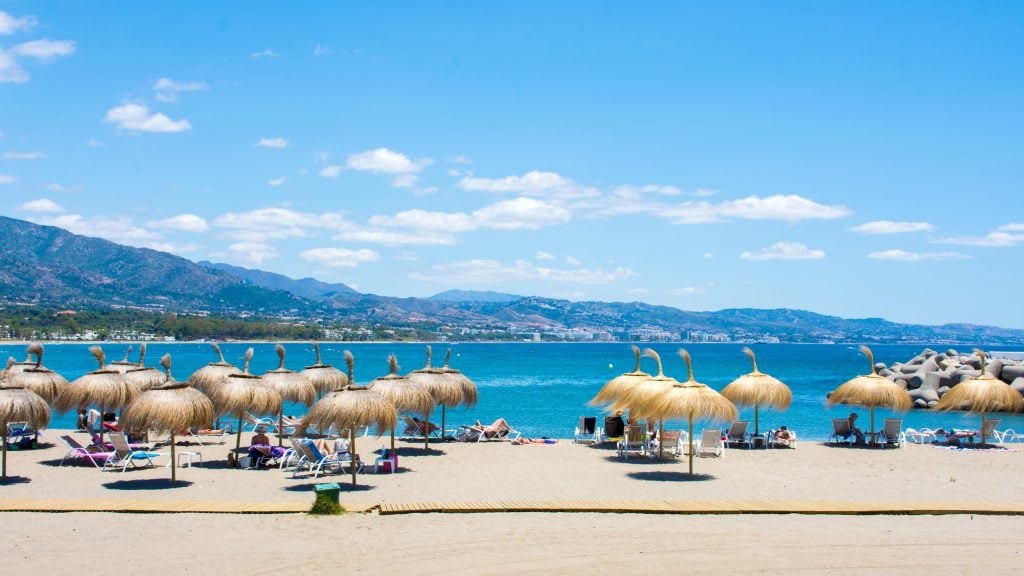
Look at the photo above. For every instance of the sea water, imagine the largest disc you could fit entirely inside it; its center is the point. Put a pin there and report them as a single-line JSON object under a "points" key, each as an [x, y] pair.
{"points": [[543, 388]]}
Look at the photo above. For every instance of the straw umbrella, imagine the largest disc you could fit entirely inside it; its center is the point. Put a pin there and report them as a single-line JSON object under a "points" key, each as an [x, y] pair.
{"points": [[242, 392], [19, 405], [983, 394], [642, 392], [38, 378], [143, 377], [869, 391], [324, 377], [292, 386], [124, 364], [468, 388], [13, 367], [352, 407], [169, 407], [690, 400], [104, 387], [406, 395], [213, 374], [445, 390], [617, 387], [757, 388]]}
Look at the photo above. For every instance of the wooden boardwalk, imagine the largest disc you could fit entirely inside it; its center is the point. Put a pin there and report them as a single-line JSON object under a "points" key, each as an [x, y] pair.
{"points": [[819, 507]]}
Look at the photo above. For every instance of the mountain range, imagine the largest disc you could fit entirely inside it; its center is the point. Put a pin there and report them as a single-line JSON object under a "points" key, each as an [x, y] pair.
{"points": [[49, 266]]}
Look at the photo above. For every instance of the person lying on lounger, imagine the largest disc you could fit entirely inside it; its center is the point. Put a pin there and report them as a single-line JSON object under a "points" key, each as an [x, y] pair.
{"points": [[499, 427], [785, 436], [518, 441]]}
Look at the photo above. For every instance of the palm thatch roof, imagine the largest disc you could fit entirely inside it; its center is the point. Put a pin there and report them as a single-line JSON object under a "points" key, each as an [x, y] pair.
{"points": [[324, 377], [445, 391], [618, 386], [406, 395], [689, 400], [758, 389], [143, 377], [466, 386], [351, 408], [38, 378], [213, 374], [124, 364], [983, 394], [103, 387], [292, 386], [14, 367], [20, 405], [170, 407], [637, 397], [870, 390], [243, 391]]}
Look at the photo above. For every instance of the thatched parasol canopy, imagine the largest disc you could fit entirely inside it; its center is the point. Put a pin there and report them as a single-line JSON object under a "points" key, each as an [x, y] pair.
{"points": [[124, 364], [143, 377], [617, 387], [350, 408], [244, 392], [756, 389], [171, 407], [104, 387], [13, 367], [640, 394], [324, 377], [20, 405], [869, 391], [468, 388], [292, 386], [446, 390], [689, 400], [38, 378], [983, 394], [213, 374], [405, 395]]}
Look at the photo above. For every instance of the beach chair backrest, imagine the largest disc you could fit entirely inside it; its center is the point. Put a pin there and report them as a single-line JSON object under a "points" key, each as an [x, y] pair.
{"points": [[71, 442], [711, 437], [636, 434], [314, 452], [891, 427], [670, 438], [988, 427], [738, 429], [588, 424], [121, 446], [841, 426], [613, 426]]}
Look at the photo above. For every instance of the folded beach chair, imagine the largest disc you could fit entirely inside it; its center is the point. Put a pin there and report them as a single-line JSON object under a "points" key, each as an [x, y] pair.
{"points": [[892, 433], [81, 453], [124, 456], [634, 439], [587, 431], [841, 432], [711, 443], [737, 433]]}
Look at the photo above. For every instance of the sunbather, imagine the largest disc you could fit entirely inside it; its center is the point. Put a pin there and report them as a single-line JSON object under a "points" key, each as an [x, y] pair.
{"points": [[431, 427], [534, 441], [785, 436], [498, 428]]}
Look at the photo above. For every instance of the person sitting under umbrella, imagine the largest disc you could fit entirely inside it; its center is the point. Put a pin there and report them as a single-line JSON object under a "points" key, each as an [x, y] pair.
{"points": [[854, 431], [260, 448], [430, 426]]}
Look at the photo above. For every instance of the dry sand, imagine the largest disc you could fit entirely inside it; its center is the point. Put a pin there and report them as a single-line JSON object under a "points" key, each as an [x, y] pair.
{"points": [[513, 543]]}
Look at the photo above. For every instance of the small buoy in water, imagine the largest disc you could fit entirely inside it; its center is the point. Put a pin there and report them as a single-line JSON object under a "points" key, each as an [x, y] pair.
{"points": [[610, 366]]}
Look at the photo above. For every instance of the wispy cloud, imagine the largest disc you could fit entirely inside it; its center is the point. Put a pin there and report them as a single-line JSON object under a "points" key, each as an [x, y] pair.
{"points": [[265, 53], [1007, 235], [785, 207], [272, 143], [167, 90], [492, 272], [330, 171], [182, 222], [533, 183], [890, 227], [137, 117], [784, 251], [41, 205], [903, 256], [685, 291], [62, 188], [542, 255], [11, 70], [321, 50], [403, 170], [254, 252], [339, 257], [36, 155], [275, 182], [114, 228], [276, 223], [398, 237], [11, 24], [7, 178]]}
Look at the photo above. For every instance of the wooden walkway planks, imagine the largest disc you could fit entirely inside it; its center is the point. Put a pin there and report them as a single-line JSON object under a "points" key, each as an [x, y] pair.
{"points": [[163, 506]]}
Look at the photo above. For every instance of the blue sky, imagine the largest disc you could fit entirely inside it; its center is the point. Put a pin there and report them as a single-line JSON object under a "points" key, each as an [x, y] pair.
{"points": [[855, 159]]}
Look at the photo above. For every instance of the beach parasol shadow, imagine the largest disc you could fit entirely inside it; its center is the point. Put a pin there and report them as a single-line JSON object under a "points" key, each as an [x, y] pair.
{"points": [[666, 476], [147, 484], [15, 480]]}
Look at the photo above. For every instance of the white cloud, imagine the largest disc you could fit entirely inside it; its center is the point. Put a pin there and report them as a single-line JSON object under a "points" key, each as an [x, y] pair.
{"points": [[452, 222], [94, 143], [708, 256], [265, 53], [330, 171], [633, 192], [403, 170], [9, 24], [252, 252], [36, 155], [1012, 227], [790, 208], [339, 257], [542, 255], [7, 178], [138, 117], [515, 214], [10, 70], [115, 228], [321, 156], [398, 237], [272, 143], [491, 272], [572, 261], [41, 205], [183, 222], [275, 182], [533, 183], [784, 251], [637, 291], [167, 90], [903, 256], [890, 227], [174, 248], [520, 214], [685, 291], [1003, 236], [45, 50], [276, 223], [54, 187], [321, 50], [460, 160], [407, 256]]}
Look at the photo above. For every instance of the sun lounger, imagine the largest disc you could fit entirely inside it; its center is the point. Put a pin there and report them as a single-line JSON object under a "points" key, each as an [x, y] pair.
{"points": [[21, 435], [314, 461], [587, 431], [737, 433], [82, 454], [841, 432], [711, 443], [892, 433], [125, 456], [612, 429], [668, 442], [414, 428], [634, 439]]}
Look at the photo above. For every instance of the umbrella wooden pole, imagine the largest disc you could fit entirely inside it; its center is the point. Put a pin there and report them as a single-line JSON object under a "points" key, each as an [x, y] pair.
{"points": [[872, 425], [690, 436], [426, 431], [661, 443], [352, 451], [442, 421], [756, 430], [174, 468], [392, 439], [103, 412], [280, 427], [238, 435], [4, 475], [981, 430]]}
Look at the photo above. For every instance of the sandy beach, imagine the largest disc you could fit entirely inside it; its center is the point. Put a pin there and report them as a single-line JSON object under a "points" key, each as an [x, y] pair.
{"points": [[514, 543]]}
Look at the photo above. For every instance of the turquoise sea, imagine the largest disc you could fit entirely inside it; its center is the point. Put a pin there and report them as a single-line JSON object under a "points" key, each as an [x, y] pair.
{"points": [[543, 388]]}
